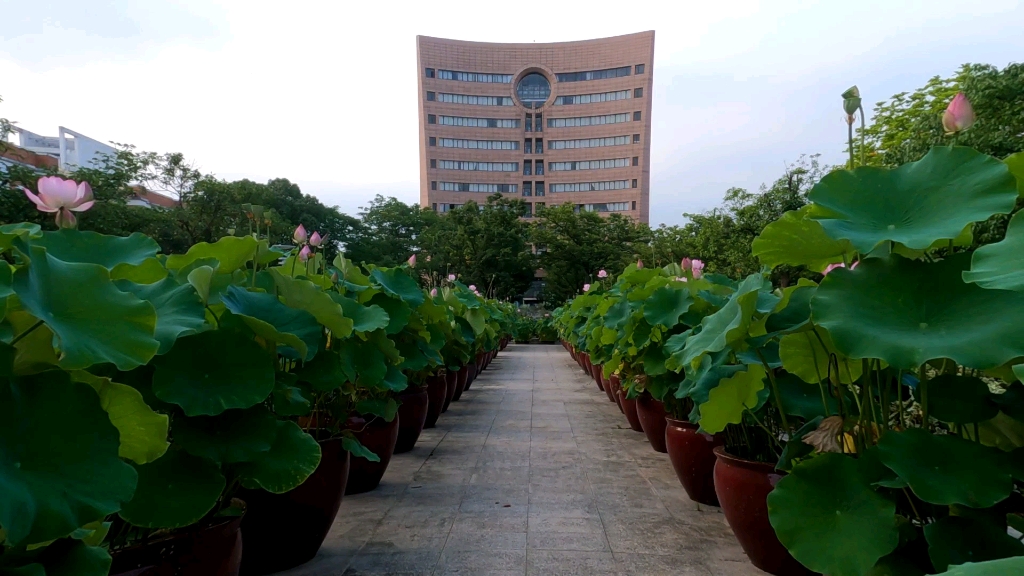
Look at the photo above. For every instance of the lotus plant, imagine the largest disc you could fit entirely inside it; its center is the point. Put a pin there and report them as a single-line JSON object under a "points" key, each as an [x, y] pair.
{"points": [[959, 115], [63, 198], [300, 236]]}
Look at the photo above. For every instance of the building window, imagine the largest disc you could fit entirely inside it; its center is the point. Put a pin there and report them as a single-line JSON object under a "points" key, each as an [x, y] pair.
{"points": [[540, 167], [528, 210], [540, 189], [593, 74], [477, 122], [634, 182], [433, 141], [587, 120], [592, 98], [431, 119], [474, 187], [638, 93], [634, 204], [590, 186], [478, 144], [430, 72], [474, 100], [636, 138], [474, 77], [430, 96], [588, 164], [529, 122], [527, 189], [636, 160], [540, 145], [539, 206], [433, 185], [606, 207], [636, 116], [527, 168], [527, 146], [538, 126], [433, 163], [479, 166], [639, 68], [533, 90], [589, 142], [434, 206], [449, 207]]}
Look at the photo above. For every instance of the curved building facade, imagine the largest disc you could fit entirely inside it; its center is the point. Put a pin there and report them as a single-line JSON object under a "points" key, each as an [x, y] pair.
{"points": [[549, 123]]}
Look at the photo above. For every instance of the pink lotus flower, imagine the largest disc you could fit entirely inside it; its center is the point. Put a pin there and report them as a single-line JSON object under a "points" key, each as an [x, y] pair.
{"points": [[451, 277], [472, 287], [315, 240], [639, 264], [433, 292], [959, 115], [832, 267], [60, 196], [602, 274], [300, 236], [304, 254], [586, 287], [685, 263], [697, 267], [412, 261]]}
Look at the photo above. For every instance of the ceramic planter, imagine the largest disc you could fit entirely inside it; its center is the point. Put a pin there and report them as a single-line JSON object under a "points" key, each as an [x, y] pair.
{"points": [[471, 376], [461, 382], [282, 531], [215, 550], [379, 437], [629, 409], [652, 419], [437, 389], [693, 457], [412, 415], [742, 487], [451, 381], [606, 385]]}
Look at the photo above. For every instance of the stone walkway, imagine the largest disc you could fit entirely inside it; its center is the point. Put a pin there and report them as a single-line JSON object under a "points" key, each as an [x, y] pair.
{"points": [[533, 472]]}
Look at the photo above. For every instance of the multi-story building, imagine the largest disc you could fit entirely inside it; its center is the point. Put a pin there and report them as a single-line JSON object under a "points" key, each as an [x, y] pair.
{"points": [[550, 123]]}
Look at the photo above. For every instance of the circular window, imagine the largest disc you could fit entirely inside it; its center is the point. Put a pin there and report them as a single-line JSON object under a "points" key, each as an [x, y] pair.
{"points": [[533, 90]]}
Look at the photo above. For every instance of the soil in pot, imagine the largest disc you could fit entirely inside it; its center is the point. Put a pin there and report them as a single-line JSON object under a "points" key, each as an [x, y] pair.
{"points": [[282, 531], [437, 392], [652, 419], [629, 409], [412, 414], [742, 487], [693, 457], [462, 380], [379, 437], [451, 381], [215, 550]]}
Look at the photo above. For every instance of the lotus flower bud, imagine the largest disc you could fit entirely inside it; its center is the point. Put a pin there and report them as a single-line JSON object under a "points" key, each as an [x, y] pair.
{"points": [[451, 277], [412, 261], [685, 263], [586, 287], [304, 254], [639, 264], [315, 240], [697, 267], [472, 287], [300, 236], [959, 115], [433, 292], [602, 274]]}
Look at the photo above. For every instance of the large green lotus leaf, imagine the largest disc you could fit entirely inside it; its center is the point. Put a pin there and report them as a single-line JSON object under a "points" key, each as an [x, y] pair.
{"points": [[804, 400], [399, 313], [368, 360], [796, 239], [956, 540], [1011, 402], [896, 564], [830, 518], [304, 295], [908, 312], [793, 312], [960, 399], [398, 284], [271, 320], [351, 444], [477, 318], [1015, 163], [802, 354], [288, 398], [34, 352], [215, 371], [143, 432], [917, 203], [93, 320], [329, 371], [174, 491], [1000, 266], [179, 311], [84, 247], [64, 557], [59, 467], [232, 252], [1003, 567], [727, 325], [731, 398], [23, 230], [149, 271], [665, 305], [385, 408], [201, 278], [946, 469], [292, 457], [231, 436]]}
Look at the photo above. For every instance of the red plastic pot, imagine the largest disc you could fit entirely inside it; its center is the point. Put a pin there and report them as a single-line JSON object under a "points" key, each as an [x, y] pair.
{"points": [[282, 531], [629, 409], [451, 382], [652, 419], [693, 457], [379, 437], [461, 382], [742, 487], [215, 550], [412, 415], [437, 391]]}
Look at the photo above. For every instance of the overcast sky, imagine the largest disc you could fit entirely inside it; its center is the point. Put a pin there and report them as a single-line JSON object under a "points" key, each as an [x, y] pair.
{"points": [[299, 89]]}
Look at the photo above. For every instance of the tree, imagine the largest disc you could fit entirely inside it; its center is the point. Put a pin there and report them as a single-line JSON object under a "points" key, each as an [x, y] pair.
{"points": [[388, 232]]}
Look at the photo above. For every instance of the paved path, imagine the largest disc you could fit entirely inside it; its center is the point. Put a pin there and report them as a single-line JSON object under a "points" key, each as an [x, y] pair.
{"points": [[533, 472]]}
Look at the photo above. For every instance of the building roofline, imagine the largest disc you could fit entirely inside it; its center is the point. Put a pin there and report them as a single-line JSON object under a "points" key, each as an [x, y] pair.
{"points": [[420, 38]]}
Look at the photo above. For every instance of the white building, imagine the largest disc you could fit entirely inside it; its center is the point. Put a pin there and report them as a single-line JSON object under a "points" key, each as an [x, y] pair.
{"points": [[69, 148]]}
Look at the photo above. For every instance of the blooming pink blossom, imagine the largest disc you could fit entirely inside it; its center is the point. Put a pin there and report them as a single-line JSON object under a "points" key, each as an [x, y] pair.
{"points": [[60, 196], [832, 267], [300, 235], [586, 287], [472, 287], [412, 261], [602, 274], [304, 254], [697, 267], [433, 292], [639, 264], [685, 263], [959, 115], [451, 277], [315, 240]]}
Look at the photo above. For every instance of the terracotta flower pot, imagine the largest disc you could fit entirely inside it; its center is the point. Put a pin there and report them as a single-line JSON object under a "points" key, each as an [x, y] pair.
{"points": [[693, 457], [606, 384], [742, 487], [437, 390], [461, 382], [379, 437], [284, 530], [615, 393], [412, 414], [451, 381], [215, 550], [629, 409], [652, 419]]}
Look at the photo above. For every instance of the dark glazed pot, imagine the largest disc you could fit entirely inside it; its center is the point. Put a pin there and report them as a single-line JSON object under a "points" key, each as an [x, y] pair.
{"points": [[284, 530], [437, 392], [379, 437], [629, 409], [451, 381], [212, 551], [471, 376], [412, 414], [742, 487], [652, 419], [693, 457], [613, 387], [461, 382], [606, 384]]}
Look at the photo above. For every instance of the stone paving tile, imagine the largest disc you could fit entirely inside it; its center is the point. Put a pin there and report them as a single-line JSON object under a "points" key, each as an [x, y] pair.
{"points": [[533, 471]]}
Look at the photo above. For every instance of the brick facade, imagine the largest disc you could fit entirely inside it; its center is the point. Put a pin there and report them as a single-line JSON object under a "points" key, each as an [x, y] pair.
{"points": [[518, 60]]}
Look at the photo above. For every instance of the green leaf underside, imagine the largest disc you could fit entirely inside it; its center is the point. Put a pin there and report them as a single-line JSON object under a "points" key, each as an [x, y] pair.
{"points": [[93, 248], [271, 320], [143, 432], [1000, 266], [397, 283], [731, 398], [179, 311], [795, 239], [232, 252], [804, 356]]}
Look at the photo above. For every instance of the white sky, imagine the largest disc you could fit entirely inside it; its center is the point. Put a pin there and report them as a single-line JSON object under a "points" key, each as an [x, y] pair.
{"points": [[298, 89]]}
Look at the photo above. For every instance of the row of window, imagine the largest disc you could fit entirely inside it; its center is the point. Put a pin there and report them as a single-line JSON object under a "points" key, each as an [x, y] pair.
{"points": [[531, 206], [592, 186], [588, 120], [533, 188], [606, 207], [592, 98], [507, 78], [593, 164], [592, 142], [537, 146], [469, 99], [593, 74], [473, 187], [475, 166], [527, 167], [474, 144], [530, 148], [473, 122], [469, 76]]}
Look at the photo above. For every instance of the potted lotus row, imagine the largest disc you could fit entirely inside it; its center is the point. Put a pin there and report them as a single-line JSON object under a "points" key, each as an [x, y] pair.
{"points": [[869, 423]]}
